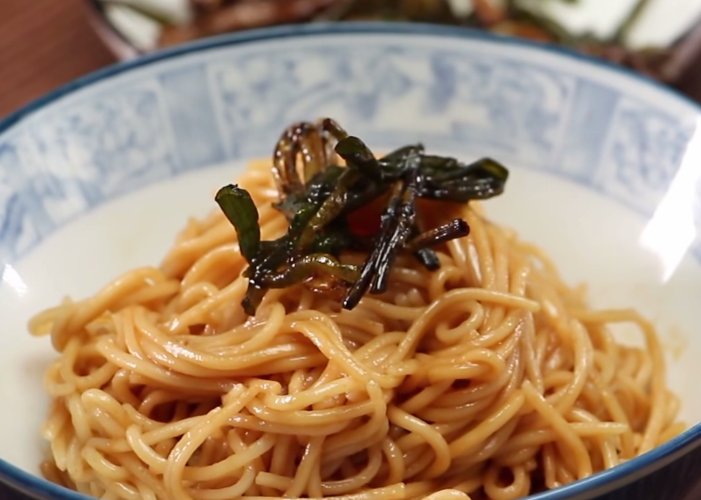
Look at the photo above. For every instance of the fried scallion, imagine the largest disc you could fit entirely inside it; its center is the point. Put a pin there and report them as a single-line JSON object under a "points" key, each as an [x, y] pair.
{"points": [[239, 208], [369, 206]]}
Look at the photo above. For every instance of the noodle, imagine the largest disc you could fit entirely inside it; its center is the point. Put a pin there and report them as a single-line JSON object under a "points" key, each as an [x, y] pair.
{"points": [[489, 378]]}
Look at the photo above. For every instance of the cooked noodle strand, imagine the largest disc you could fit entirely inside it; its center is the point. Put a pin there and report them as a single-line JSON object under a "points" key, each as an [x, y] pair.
{"points": [[489, 377]]}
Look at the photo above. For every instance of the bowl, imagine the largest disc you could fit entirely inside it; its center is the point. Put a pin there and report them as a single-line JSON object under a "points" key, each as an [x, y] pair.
{"points": [[132, 27], [99, 176]]}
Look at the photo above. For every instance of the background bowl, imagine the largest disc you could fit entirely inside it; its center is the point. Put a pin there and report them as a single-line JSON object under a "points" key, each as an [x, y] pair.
{"points": [[98, 177], [658, 38]]}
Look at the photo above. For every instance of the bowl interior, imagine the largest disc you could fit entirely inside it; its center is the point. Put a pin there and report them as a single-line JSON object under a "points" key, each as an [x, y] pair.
{"points": [[101, 179]]}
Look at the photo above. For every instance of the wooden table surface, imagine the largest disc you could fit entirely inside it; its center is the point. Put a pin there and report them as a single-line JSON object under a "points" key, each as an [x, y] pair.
{"points": [[46, 43]]}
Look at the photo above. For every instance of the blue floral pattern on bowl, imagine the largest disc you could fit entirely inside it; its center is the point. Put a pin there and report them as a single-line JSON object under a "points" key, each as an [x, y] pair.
{"points": [[123, 137]]}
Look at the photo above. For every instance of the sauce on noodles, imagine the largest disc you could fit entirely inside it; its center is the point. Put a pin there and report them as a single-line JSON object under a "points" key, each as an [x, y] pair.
{"points": [[488, 378]]}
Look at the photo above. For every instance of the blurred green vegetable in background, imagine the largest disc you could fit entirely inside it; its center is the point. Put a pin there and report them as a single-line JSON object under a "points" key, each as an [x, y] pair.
{"points": [[520, 18]]}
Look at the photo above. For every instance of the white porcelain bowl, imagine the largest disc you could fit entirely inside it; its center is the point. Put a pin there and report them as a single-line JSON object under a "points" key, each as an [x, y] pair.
{"points": [[99, 176]]}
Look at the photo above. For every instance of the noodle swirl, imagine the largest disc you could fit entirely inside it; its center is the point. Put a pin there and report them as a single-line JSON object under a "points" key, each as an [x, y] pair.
{"points": [[489, 378]]}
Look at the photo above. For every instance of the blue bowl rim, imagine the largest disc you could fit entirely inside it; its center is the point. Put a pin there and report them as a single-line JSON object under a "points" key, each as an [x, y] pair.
{"points": [[585, 489]]}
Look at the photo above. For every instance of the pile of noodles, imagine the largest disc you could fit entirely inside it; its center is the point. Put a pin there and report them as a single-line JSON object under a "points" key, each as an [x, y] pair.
{"points": [[488, 378]]}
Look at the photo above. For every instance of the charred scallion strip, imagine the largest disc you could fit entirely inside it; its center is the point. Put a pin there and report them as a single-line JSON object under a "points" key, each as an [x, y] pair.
{"points": [[333, 128], [481, 189], [428, 258], [285, 160], [334, 242], [370, 205], [254, 296], [457, 228], [398, 221], [358, 155], [311, 142], [404, 217], [331, 208], [239, 208], [313, 153], [439, 170], [307, 267], [399, 155], [316, 192]]}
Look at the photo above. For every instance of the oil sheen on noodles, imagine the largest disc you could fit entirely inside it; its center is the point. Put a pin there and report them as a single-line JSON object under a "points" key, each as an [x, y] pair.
{"points": [[489, 378]]}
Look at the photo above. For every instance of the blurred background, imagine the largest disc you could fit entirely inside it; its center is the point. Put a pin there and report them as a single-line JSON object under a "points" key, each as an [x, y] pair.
{"points": [[47, 43]]}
